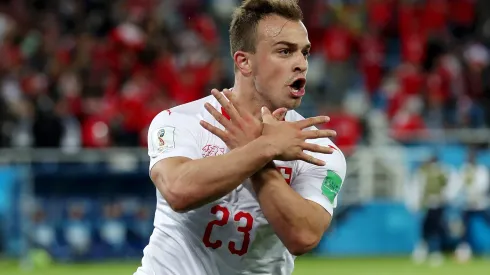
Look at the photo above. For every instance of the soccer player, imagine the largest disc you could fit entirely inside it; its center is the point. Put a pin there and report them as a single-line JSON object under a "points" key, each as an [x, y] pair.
{"points": [[429, 192], [471, 185], [241, 190]]}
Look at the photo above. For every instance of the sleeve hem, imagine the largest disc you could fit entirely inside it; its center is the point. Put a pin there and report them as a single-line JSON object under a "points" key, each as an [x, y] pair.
{"points": [[322, 201]]}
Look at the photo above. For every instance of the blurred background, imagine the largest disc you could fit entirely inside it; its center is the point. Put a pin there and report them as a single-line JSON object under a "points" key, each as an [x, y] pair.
{"points": [[405, 82]]}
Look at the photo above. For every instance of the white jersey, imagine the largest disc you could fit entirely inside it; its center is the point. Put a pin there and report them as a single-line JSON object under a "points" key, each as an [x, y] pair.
{"points": [[231, 235]]}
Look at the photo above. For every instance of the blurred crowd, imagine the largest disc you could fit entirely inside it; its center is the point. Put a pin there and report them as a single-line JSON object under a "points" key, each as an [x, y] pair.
{"points": [[90, 229], [93, 73]]}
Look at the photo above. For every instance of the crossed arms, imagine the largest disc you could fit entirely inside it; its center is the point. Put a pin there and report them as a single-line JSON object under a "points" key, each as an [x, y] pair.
{"points": [[187, 183]]}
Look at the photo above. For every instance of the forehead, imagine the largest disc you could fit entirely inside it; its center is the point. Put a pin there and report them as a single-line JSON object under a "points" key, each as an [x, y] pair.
{"points": [[274, 28]]}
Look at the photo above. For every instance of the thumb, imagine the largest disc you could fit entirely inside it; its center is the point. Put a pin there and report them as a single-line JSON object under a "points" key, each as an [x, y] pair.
{"points": [[266, 115], [279, 114]]}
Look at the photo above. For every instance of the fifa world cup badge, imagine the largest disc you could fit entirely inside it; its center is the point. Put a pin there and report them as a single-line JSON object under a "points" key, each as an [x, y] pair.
{"points": [[163, 139], [331, 185], [161, 134]]}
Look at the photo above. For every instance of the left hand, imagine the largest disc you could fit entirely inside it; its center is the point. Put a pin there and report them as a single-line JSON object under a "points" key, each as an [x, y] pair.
{"points": [[242, 127]]}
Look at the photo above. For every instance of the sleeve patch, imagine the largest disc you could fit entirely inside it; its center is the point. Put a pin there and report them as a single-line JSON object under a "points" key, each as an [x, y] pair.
{"points": [[163, 139], [331, 185]]}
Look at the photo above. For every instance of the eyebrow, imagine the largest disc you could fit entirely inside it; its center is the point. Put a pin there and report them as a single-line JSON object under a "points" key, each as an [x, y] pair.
{"points": [[292, 45]]}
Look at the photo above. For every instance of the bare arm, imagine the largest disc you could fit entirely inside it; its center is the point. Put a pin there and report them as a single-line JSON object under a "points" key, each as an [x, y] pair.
{"points": [[188, 184], [298, 222]]}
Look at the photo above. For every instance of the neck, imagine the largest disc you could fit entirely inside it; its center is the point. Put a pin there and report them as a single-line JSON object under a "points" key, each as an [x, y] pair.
{"points": [[248, 97]]}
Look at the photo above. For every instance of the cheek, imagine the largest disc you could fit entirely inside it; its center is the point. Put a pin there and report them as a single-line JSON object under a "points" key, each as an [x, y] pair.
{"points": [[271, 72]]}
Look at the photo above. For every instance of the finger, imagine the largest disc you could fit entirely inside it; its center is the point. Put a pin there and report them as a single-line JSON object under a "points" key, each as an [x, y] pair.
{"points": [[317, 148], [232, 98], [219, 117], [226, 104], [280, 113], [214, 130], [266, 115], [313, 134], [310, 159], [305, 123]]}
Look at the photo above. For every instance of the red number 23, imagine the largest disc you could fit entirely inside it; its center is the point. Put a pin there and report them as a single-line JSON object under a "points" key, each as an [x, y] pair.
{"points": [[232, 246]]}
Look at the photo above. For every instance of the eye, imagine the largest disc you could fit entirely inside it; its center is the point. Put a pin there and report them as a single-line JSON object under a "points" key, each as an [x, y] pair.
{"points": [[306, 54], [285, 52]]}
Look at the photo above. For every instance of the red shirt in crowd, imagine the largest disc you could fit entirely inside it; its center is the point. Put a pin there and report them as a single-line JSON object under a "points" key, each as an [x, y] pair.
{"points": [[406, 126], [462, 12], [338, 43], [380, 13], [348, 128], [371, 60], [435, 15]]}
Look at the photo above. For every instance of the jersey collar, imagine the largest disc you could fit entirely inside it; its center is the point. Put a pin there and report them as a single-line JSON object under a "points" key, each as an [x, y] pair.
{"points": [[225, 114]]}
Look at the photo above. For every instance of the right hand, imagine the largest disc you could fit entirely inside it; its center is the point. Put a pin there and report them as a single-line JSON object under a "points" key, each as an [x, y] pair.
{"points": [[242, 127], [289, 140]]}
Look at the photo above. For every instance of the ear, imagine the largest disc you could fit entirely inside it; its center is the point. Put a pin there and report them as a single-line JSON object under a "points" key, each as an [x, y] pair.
{"points": [[243, 62]]}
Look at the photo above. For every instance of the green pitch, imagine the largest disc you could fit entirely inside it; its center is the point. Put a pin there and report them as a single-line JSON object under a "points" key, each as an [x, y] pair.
{"points": [[304, 266]]}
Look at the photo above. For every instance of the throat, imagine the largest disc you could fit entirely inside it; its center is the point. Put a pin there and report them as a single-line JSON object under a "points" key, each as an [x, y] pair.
{"points": [[250, 102]]}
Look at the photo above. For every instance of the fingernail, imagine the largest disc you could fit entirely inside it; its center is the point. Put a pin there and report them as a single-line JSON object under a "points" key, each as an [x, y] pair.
{"points": [[262, 110]]}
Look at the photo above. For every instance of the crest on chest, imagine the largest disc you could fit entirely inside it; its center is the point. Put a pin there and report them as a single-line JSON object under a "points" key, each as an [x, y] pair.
{"points": [[286, 172], [210, 150]]}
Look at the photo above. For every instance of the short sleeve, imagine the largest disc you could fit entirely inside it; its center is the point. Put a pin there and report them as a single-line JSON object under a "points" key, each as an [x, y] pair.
{"points": [[172, 135], [321, 184]]}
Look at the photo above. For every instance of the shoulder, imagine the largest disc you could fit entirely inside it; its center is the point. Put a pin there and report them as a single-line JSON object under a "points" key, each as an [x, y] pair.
{"points": [[185, 115], [334, 162]]}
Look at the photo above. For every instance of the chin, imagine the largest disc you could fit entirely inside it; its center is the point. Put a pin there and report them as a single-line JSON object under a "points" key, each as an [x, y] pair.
{"points": [[295, 102], [291, 104]]}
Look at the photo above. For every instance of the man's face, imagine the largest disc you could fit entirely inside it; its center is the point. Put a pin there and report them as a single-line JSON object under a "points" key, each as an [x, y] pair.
{"points": [[279, 64]]}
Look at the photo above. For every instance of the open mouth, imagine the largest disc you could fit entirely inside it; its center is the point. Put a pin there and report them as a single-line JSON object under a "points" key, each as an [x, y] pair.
{"points": [[298, 87], [298, 84]]}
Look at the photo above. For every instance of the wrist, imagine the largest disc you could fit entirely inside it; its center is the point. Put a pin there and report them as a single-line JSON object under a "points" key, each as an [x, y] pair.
{"points": [[262, 173], [267, 176], [267, 148]]}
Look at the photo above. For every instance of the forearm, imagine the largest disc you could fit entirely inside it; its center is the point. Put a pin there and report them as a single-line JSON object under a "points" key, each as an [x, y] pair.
{"points": [[299, 223], [201, 181]]}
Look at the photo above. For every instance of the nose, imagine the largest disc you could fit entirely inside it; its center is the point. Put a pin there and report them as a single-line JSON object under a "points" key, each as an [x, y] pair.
{"points": [[301, 64]]}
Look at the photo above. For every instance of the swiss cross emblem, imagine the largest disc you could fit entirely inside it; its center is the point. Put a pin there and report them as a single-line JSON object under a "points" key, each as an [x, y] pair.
{"points": [[287, 173]]}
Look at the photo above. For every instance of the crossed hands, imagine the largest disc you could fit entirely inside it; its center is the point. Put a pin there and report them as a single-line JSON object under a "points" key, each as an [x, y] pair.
{"points": [[288, 139]]}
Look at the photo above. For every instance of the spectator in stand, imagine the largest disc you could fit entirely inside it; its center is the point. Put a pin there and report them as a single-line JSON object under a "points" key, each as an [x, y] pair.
{"points": [[77, 232], [380, 14], [141, 226], [338, 46], [42, 233], [371, 56], [112, 230], [408, 125], [462, 15]]}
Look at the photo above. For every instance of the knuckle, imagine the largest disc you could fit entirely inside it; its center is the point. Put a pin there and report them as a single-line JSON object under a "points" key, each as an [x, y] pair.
{"points": [[225, 137]]}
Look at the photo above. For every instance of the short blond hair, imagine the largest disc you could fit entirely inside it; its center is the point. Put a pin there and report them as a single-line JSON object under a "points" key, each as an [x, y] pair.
{"points": [[243, 27]]}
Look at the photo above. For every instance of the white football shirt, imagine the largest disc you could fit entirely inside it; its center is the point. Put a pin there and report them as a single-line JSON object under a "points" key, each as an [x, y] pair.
{"points": [[231, 235]]}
